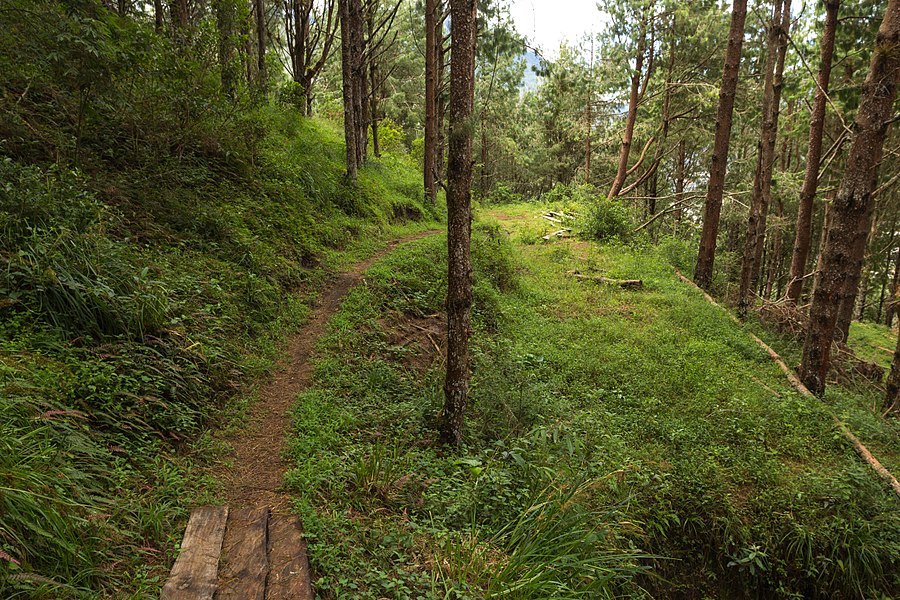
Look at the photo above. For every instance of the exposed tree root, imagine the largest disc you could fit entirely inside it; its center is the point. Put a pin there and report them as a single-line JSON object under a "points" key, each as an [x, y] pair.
{"points": [[795, 382]]}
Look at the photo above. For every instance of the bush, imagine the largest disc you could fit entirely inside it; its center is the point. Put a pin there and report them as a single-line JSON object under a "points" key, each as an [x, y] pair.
{"points": [[605, 219], [502, 194]]}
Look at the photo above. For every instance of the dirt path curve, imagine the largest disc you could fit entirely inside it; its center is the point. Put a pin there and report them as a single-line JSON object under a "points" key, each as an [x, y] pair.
{"points": [[254, 478]]}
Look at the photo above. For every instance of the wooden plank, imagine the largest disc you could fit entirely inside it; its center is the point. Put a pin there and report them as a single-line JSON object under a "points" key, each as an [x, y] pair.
{"points": [[193, 576], [289, 577], [245, 564]]}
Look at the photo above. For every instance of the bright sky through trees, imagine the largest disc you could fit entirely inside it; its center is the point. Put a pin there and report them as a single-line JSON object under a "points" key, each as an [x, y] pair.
{"points": [[546, 23]]}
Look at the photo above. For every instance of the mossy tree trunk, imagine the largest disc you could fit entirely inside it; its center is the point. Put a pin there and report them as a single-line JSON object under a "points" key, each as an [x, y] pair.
{"points": [[463, 28]]}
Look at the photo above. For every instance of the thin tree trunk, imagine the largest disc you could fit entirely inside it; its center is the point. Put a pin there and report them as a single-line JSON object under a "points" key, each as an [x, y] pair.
{"points": [[679, 179], [373, 92], [892, 388], [762, 182], [431, 123], [775, 260], [853, 205], [884, 271], [653, 185], [350, 137], [707, 252], [463, 27], [157, 16], [803, 238], [892, 307], [631, 117], [261, 43]]}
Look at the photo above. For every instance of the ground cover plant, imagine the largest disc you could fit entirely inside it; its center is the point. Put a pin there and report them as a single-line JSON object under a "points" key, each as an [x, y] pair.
{"points": [[152, 255], [663, 418]]}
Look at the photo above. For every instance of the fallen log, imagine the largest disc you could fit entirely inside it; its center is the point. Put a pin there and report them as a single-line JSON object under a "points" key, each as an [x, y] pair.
{"points": [[553, 219], [628, 284], [798, 385]]}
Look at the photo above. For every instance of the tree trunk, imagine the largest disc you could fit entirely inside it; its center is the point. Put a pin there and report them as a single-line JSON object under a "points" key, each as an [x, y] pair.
{"points": [[762, 182], [463, 25], [679, 180], [181, 19], [373, 84], [431, 123], [853, 205], [892, 393], [713, 208], [775, 262], [802, 240], [260, 7], [360, 81], [653, 185], [158, 15], [631, 117], [225, 18], [892, 307], [350, 136]]}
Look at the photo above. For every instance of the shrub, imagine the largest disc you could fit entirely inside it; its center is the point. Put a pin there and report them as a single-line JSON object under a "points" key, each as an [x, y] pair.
{"points": [[605, 219]]}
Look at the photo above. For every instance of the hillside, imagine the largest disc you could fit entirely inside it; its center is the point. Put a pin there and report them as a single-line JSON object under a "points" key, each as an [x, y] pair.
{"points": [[152, 259]]}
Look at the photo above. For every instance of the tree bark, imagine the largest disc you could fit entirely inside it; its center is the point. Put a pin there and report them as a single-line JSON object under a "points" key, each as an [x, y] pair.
{"points": [[892, 303], [762, 181], [373, 84], [853, 205], [892, 388], [261, 32], [431, 123], [350, 137], [679, 179], [463, 26], [803, 238], [225, 18], [631, 116], [157, 16], [713, 207], [653, 184]]}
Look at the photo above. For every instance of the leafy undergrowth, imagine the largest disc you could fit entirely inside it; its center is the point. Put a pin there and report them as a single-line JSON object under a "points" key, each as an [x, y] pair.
{"points": [[665, 420], [155, 245]]}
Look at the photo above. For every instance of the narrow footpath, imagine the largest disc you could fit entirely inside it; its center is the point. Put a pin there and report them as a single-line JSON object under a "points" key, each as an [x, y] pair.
{"points": [[253, 547]]}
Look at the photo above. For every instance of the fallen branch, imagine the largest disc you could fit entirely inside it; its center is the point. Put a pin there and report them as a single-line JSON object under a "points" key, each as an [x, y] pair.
{"points": [[628, 284], [549, 218], [560, 233], [795, 382]]}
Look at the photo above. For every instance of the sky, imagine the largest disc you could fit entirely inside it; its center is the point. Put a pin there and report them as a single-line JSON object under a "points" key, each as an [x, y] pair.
{"points": [[548, 22]]}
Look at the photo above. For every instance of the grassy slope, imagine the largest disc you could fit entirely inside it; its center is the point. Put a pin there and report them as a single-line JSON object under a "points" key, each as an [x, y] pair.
{"points": [[150, 316], [695, 446]]}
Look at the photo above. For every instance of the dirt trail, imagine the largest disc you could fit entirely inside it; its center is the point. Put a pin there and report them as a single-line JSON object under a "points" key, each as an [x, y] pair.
{"points": [[255, 476]]}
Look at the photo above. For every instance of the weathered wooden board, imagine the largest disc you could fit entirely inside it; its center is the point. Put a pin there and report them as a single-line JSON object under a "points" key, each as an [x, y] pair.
{"points": [[244, 564], [289, 577], [193, 576]]}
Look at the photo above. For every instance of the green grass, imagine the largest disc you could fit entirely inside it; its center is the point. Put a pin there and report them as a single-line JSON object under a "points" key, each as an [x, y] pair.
{"points": [[136, 311], [873, 342], [693, 446]]}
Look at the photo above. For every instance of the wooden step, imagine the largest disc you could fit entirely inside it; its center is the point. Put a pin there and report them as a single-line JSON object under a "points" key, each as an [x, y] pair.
{"points": [[240, 554], [289, 578], [194, 574], [245, 559]]}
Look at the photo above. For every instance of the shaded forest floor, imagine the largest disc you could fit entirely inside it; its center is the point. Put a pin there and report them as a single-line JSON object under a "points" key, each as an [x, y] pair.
{"points": [[645, 421]]}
